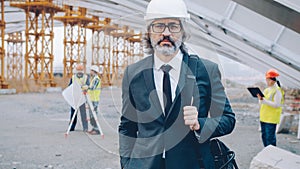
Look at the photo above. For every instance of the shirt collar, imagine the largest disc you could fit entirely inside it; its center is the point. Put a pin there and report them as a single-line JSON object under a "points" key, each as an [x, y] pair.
{"points": [[175, 63]]}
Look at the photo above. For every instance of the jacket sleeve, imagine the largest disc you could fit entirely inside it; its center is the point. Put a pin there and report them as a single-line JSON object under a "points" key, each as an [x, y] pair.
{"points": [[128, 125], [216, 117]]}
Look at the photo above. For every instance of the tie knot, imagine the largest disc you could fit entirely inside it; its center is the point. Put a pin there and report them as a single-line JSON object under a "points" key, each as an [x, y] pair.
{"points": [[166, 68]]}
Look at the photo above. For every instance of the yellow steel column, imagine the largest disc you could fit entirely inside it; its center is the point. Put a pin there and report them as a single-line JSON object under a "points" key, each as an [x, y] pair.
{"points": [[96, 36], [136, 48], [101, 48], [68, 52], [3, 84], [75, 23], [14, 55], [106, 53], [117, 41], [81, 45], [119, 53], [39, 40]]}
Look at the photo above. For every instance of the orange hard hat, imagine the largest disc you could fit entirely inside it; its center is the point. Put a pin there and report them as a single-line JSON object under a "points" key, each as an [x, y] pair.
{"points": [[272, 73], [79, 67]]}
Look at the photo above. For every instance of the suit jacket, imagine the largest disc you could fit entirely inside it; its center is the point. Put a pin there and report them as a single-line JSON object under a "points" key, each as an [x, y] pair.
{"points": [[145, 133]]}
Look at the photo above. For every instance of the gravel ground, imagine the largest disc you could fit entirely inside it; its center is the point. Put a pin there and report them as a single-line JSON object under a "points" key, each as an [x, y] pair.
{"points": [[32, 133]]}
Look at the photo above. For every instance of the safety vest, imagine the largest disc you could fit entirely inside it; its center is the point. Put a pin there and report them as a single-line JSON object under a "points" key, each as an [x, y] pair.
{"points": [[269, 114], [95, 93], [81, 81]]}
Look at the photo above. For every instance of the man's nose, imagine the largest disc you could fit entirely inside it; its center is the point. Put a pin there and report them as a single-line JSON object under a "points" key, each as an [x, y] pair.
{"points": [[166, 32]]}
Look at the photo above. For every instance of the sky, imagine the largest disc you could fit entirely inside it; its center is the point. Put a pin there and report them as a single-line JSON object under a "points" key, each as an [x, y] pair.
{"points": [[240, 73]]}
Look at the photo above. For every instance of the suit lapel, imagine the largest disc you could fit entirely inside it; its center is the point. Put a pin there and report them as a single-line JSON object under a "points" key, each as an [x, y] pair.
{"points": [[149, 83]]}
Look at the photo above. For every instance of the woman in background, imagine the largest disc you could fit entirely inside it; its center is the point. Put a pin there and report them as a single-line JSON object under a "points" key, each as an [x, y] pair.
{"points": [[270, 107]]}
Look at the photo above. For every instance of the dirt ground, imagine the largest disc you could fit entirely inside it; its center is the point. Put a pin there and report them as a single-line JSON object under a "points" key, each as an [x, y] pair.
{"points": [[32, 133]]}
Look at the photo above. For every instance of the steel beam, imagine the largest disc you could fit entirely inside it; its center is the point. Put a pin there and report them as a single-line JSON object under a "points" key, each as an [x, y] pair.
{"points": [[274, 11]]}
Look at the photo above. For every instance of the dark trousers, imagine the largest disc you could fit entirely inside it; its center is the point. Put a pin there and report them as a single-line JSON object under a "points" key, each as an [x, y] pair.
{"points": [[83, 118], [268, 133], [92, 118]]}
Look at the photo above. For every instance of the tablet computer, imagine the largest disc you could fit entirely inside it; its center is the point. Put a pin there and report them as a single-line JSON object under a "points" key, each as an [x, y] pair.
{"points": [[254, 91]]}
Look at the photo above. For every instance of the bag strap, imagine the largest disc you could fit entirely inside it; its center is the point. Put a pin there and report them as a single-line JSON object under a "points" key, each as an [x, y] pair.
{"points": [[193, 63], [190, 79]]}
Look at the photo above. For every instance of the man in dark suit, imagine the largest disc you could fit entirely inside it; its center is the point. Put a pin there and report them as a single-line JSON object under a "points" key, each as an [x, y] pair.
{"points": [[167, 97]]}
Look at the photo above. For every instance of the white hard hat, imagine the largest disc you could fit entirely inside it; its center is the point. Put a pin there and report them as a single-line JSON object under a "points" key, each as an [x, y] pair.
{"points": [[95, 68], [166, 9]]}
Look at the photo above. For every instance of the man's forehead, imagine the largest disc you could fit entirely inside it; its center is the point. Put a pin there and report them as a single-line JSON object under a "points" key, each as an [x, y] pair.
{"points": [[166, 20]]}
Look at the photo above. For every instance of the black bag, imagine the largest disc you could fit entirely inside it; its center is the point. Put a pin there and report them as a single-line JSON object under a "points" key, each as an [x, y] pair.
{"points": [[223, 156]]}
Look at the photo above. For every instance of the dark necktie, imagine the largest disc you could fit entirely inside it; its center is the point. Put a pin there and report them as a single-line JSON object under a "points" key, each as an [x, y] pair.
{"points": [[167, 88]]}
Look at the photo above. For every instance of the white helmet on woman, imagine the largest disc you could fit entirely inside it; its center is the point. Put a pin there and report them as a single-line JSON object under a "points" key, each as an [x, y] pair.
{"points": [[166, 9], [95, 68]]}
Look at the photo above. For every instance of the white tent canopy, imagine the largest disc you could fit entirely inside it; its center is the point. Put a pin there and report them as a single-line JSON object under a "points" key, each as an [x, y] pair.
{"points": [[258, 33]]}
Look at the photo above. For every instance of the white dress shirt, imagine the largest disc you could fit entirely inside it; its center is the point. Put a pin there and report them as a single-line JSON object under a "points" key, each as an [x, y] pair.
{"points": [[174, 73]]}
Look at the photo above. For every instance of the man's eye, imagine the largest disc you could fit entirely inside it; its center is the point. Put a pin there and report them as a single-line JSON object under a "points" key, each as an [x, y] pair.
{"points": [[160, 26], [173, 26]]}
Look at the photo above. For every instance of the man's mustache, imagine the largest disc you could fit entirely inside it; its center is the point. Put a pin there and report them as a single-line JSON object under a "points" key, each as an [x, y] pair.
{"points": [[167, 38]]}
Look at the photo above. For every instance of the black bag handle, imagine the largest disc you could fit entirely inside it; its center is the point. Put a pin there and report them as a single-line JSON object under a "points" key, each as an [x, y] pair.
{"points": [[232, 156], [227, 153]]}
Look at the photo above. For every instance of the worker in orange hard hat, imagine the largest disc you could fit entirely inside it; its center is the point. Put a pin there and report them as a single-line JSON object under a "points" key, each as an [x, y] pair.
{"points": [[272, 73], [83, 80], [270, 107], [167, 97]]}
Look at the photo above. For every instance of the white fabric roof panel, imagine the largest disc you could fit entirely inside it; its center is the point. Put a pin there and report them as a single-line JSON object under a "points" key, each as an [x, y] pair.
{"points": [[217, 25]]}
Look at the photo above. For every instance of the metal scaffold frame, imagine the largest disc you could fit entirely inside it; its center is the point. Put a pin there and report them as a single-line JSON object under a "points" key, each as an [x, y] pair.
{"points": [[136, 48], [101, 48], [75, 23], [120, 52], [39, 39], [14, 56]]}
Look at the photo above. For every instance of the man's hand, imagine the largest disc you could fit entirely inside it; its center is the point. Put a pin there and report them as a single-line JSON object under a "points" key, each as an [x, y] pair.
{"points": [[85, 87], [190, 116]]}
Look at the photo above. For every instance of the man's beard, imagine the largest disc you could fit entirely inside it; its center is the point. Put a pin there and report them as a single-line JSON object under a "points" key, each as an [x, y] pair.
{"points": [[167, 50], [79, 75]]}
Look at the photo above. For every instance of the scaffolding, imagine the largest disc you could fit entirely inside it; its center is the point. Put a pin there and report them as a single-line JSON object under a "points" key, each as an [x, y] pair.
{"points": [[75, 22], [14, 56], [39, 39], [101, 48], [136, 52], [3, 84], [120, 53]]}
